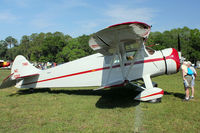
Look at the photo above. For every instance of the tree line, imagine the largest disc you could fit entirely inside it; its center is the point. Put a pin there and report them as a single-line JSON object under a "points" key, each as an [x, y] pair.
{"points": [[46, 47], [60, 48]]}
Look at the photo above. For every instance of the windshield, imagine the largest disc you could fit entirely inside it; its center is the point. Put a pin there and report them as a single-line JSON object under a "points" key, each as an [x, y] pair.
{"points": [[150, 50]]}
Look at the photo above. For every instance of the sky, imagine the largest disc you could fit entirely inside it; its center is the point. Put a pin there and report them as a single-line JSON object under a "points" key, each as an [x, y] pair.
{"points": [[78, 17]]}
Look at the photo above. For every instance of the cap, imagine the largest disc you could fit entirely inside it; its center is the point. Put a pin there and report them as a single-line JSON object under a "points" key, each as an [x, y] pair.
{"points": [[185, 62], [189, 63]]}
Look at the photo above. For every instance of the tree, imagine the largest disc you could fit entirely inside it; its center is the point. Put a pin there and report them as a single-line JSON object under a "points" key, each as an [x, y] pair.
{"points": [[156, 41], [12, 53], [24, 46], [3, 49], [76, 48], [11, 42], [194, 41]]}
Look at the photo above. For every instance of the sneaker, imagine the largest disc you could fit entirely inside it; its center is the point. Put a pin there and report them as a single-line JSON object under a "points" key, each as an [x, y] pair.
{"points": [[186, 100], [191, 97]]}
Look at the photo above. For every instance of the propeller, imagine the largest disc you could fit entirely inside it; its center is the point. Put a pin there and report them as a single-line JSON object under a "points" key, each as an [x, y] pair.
{"points": [[179, 43], [179, 50]]}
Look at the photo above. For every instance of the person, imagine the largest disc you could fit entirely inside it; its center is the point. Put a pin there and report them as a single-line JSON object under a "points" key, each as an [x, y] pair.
{"points": [[187, 79], [54, 64], [193, 78], [129, 57]]}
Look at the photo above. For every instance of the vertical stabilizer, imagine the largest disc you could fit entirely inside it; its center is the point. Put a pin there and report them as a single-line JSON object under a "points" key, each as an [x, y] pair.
{"points": [[22, 67]]}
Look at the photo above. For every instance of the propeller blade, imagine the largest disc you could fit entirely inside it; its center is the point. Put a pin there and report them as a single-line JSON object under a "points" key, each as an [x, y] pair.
{"points": [[179, 43]]}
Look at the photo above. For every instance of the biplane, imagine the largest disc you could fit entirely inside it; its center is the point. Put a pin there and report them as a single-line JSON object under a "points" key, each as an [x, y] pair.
{"points": [[121, 58]]}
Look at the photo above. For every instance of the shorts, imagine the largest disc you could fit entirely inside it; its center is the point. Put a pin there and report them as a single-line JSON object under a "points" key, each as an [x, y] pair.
{"points": [[188, 81]]}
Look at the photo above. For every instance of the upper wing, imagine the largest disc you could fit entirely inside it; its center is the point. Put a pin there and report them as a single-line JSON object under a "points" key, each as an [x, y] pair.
{"points": [[123, 40], [110, 40]]}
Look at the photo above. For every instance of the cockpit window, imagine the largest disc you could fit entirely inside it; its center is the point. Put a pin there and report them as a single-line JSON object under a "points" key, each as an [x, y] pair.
{"points": [[131, 45], [150, 50], [131, 48]]}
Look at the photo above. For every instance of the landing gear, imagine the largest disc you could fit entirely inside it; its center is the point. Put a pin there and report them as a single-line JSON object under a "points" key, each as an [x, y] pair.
{"points": [[150, 95], [158, 100], [31, 89], [154, 84]]}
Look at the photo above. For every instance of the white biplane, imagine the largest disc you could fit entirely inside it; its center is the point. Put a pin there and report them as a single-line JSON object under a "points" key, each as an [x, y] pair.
{"points": [[122, 57]]}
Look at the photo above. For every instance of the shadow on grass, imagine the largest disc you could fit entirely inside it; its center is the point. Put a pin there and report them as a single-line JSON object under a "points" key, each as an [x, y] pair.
{"points": [[115, 97], [178, 95]]}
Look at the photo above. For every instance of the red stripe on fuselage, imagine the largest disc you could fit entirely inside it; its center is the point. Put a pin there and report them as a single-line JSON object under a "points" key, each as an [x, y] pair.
{"points": [[94, 70], [69, 75]]}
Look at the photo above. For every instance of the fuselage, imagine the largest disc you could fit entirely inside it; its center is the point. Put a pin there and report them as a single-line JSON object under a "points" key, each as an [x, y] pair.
{"points": [[97, 70]]}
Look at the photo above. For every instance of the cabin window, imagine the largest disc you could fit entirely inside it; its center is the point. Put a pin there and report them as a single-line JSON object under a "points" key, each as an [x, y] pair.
{"points": [[131, 48], [131, 45]]}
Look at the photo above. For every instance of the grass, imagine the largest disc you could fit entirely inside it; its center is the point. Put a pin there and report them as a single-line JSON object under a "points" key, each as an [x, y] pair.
{"points": [[74, 110]]}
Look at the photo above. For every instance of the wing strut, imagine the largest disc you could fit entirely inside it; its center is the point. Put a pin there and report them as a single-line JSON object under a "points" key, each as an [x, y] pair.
{"points": [[121, 60], [133, 61], [111, 64]]}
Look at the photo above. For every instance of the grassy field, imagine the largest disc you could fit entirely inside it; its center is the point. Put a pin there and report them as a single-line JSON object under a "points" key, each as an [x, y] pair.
{"points": [[75, 110]]}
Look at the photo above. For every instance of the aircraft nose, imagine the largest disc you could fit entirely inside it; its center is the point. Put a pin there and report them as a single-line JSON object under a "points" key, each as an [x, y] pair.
{"points": [[174, 56], [172, 61]]}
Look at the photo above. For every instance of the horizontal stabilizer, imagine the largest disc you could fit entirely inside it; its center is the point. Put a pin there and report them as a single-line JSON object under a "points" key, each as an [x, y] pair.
{"points": [[10, 81], [27, 76]]}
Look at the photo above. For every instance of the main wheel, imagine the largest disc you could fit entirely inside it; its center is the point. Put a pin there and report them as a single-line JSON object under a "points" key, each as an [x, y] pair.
{"points": [[31, 89], [155, 100]]}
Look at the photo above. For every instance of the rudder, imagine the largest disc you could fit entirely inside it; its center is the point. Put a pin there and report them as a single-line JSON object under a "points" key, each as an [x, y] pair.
{"points": [[22, 67]]}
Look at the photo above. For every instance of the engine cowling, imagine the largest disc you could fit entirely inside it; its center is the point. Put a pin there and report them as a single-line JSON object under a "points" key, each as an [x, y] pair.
{"points": [[172, 61]]}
